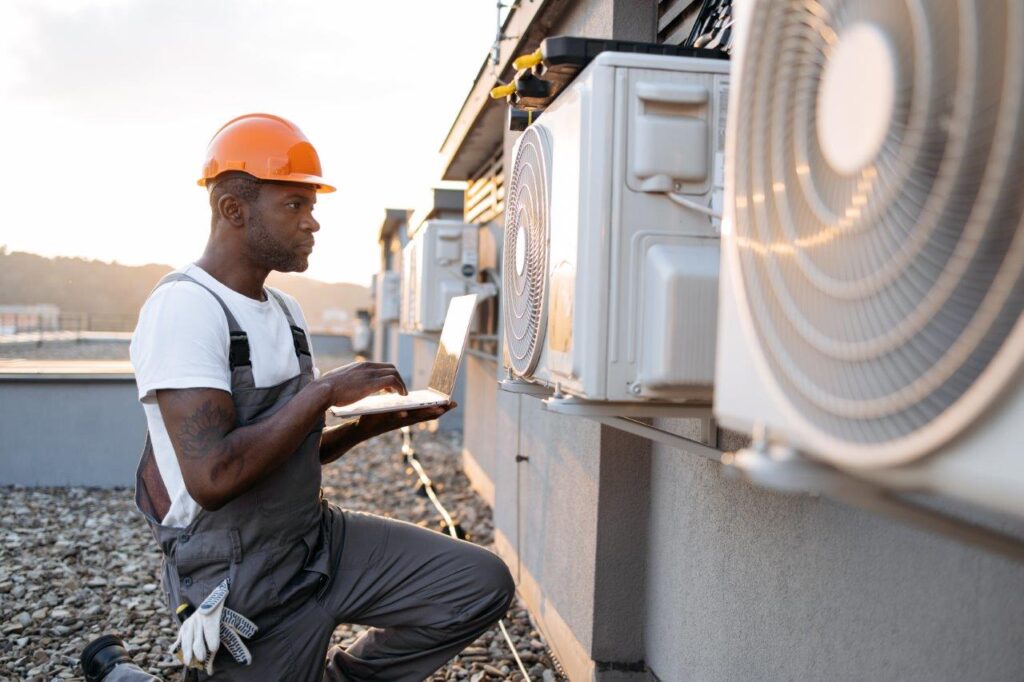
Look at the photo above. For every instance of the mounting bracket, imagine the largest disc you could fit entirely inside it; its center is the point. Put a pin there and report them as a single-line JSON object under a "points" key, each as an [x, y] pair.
{"points": [[785, 470], [524, 388]]}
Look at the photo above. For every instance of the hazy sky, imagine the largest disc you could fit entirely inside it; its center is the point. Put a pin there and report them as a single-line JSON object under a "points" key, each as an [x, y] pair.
{"points": [[106, 108]]}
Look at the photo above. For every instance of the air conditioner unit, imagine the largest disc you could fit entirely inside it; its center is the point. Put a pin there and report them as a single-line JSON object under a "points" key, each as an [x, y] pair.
{"points": [[439, 262], [873, 250], [409, 287], [388, 296], [610, 286]]}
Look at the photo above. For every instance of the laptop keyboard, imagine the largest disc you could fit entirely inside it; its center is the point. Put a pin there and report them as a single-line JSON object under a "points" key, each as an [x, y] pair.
{"points": [[380, 400]]}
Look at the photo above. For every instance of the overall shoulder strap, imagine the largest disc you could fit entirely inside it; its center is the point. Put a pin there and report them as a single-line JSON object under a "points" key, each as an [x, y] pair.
{"points": [[233, 325], [299, 338], [238, 349]]}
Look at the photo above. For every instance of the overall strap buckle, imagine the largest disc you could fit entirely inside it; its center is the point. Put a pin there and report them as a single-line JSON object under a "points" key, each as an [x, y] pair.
{"points": [[300, 341], [238, 351]]}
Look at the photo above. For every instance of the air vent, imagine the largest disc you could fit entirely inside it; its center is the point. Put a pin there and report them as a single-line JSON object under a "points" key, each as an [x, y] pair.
{"points": [[879, 161], [526, 251]]}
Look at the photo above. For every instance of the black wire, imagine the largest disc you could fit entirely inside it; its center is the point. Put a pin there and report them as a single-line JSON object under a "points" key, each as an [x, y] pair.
{"points": [[409, 453]]}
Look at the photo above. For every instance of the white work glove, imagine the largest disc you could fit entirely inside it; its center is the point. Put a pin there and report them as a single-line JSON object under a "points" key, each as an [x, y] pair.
{"points": [[202, 633]]}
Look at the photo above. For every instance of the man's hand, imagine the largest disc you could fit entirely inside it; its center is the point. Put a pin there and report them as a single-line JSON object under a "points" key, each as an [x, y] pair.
{"points": [[371, 425], [357, 380], [338, 440]]}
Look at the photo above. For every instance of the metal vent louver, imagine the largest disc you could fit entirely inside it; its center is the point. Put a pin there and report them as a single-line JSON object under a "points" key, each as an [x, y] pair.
{"points": [[525, 261], [878, 181]]}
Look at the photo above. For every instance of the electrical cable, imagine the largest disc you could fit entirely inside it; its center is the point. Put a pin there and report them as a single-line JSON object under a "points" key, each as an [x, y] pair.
{"points": [[410, 457]]}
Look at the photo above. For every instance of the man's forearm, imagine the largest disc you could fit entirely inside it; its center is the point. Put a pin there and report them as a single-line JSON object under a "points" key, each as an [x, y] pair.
{"points": [[337, 440], [219, 467], [340, 439]]}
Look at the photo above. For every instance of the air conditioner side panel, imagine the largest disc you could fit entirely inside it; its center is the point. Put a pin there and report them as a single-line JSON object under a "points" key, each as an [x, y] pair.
{"points": [[409, 286], [596, 285], [677, 103], [439, 254], [564, 120], [388, 295], [741, 401], [982, 466], [678, 307]]}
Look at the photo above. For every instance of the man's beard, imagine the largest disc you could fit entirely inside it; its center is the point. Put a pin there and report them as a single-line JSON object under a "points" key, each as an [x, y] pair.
{"points": [[267, 252]]}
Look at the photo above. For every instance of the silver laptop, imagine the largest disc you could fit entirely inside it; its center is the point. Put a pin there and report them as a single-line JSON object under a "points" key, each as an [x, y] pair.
{"points": [[442, 376]]}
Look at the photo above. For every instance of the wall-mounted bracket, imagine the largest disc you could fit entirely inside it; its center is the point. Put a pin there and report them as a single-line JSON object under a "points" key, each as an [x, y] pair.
{"points": [[785, 470], [637, 428], [483, 291], [624, 415], [578, 407], [525, 388]]}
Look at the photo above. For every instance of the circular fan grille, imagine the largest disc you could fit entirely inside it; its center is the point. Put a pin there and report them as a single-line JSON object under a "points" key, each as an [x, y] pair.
{"points": [[525, 260], [882, 262]]}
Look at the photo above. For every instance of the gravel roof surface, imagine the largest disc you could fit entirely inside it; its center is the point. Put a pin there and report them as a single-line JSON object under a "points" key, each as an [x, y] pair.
{"points": [[77, 562]]}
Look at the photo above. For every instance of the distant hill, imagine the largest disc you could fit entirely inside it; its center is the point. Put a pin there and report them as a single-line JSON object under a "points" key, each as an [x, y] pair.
{"points": [[112, 293]]}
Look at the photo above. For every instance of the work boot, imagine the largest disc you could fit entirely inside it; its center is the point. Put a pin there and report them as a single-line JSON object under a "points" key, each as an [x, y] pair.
{"points": [[101, 655]]}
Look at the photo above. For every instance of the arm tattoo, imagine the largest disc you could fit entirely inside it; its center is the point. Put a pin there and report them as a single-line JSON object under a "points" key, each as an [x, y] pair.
{"points": [[202, 435]]}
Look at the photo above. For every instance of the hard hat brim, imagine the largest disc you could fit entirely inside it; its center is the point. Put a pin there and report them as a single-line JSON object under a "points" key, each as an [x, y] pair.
{"points": [[321, 186]]}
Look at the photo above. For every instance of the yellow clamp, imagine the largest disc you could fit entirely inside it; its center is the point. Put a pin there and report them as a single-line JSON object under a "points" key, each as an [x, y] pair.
{"points": [[528, 60], [502, 91]]}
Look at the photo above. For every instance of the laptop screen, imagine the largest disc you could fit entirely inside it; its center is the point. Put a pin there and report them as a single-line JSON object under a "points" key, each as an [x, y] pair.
{"points": [[453, 342]]}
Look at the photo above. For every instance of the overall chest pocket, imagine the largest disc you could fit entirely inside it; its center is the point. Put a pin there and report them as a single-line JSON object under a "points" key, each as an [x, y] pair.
{"points": [[296, 483]]}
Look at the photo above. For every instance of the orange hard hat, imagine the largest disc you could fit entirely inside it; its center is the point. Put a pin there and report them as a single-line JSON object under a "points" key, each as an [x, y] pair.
{"points": [[265, 146]]}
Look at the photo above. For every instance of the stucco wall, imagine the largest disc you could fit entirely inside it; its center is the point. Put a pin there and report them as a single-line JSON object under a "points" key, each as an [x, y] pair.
{"points": [[480, 424], [745, 584], [546, 510]]}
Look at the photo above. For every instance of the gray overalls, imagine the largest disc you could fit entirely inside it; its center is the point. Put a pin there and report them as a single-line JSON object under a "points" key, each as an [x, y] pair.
{"points": [[281, 545]]}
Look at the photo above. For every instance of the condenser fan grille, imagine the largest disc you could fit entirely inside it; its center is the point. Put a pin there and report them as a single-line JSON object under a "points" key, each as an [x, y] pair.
{"points": [[878, 185], [525, 259]]}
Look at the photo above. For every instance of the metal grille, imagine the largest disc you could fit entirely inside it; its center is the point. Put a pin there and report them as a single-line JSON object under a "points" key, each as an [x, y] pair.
{"points": [[882, 296], [525, 252]]}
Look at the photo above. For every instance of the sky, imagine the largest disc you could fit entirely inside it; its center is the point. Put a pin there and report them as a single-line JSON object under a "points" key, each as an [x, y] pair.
{"points": [[106, 108]]}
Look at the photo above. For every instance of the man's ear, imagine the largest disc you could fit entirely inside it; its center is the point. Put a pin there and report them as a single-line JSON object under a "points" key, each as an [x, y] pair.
{"points": [[231, 210]]}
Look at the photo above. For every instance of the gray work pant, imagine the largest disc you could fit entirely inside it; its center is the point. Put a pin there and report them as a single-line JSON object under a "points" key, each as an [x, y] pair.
{"points": [[425, 596]]}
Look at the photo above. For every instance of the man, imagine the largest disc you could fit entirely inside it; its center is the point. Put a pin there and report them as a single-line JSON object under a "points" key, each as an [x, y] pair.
{"points": [[230, 477]]}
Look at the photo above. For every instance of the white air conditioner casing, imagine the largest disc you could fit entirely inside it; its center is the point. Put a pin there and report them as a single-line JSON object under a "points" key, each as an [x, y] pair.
{"points": [[410, 288], [873, 246], [388, 295], [609, 287], [439, 262]]}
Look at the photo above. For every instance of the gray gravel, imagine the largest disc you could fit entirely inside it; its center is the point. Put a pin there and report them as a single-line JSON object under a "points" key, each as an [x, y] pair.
{"points": [[76, 563]]}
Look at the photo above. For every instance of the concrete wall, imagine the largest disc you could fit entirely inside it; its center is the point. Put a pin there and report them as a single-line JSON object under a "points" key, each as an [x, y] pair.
{"points": [[331, 344], [545, 518], [76, 431], [480, 411], [745, 584], [79, 429]]}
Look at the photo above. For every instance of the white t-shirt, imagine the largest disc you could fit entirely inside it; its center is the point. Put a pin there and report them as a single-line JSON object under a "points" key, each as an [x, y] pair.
{"points": [[182, 341]]}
